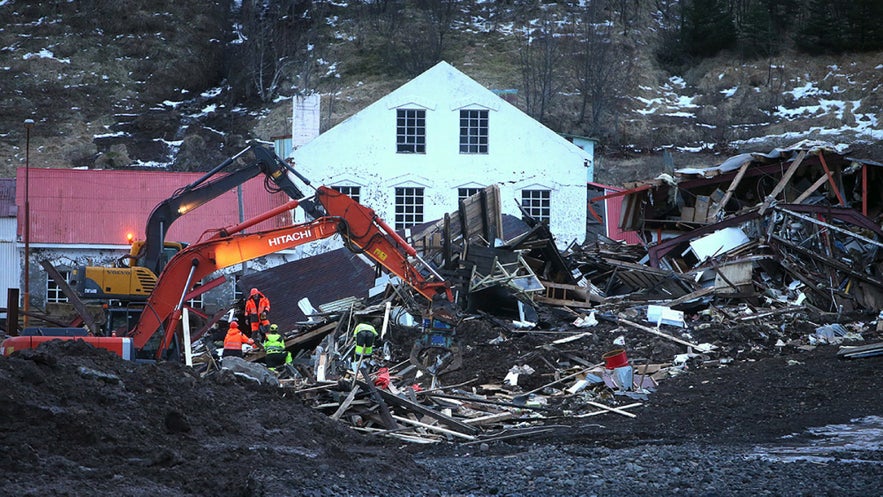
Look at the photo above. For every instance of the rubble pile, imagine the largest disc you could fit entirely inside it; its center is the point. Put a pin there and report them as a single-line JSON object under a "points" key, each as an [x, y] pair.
{"points": [[759, 256], [750, 311]]}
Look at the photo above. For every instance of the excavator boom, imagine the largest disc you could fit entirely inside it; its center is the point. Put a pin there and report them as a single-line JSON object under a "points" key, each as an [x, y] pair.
{"points": [[358, 225], [209, 187]]}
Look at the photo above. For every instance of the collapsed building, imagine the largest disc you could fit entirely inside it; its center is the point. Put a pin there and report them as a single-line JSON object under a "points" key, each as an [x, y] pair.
{"points": [[544, 334], [798, 224], [755, 242]]}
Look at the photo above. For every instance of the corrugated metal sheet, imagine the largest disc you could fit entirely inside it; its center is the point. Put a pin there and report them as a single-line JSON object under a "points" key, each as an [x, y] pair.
{"points": [[612, 213], [103, 206], [7, 197], [10, 262]]}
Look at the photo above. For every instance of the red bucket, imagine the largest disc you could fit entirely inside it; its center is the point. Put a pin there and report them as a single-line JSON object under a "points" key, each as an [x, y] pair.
{"points": [[615, 359]]}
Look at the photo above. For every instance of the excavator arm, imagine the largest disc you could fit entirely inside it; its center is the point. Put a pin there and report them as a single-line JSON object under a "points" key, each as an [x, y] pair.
{"points": [[201, 259], [363, 231], [358, 225], [148, 257], [197, 193]]}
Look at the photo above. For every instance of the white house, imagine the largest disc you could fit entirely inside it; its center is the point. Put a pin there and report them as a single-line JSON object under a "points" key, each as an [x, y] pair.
{"points": [[441, 137]]}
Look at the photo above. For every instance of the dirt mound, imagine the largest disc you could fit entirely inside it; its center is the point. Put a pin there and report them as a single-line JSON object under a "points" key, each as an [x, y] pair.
{"points": [[80, 421], [92, 424]]}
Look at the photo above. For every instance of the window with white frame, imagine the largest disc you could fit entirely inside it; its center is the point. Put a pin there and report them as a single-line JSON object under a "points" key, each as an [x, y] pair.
{"points": [[536, 203], [53, 291], [350, 191], [238, 293], [464, 193], [198, 302], [473, 131], [411, 131], [409, 207]]}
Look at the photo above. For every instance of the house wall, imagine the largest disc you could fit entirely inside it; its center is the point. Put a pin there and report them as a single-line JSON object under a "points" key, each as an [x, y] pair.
{"points": [[10, 264], [66, 258], [522, 154]]}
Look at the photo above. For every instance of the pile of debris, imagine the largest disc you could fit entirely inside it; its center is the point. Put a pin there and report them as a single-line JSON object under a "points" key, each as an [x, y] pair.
{"points": [[546, 336]]}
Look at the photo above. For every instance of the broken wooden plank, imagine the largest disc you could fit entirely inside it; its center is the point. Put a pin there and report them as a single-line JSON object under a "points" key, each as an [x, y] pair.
{"points": [[434, 428], [346, 403], [426, 411], [492, 418], [783, 310], [520, 399], [658, 333], [815, 186], [385, 415], [729, 193], [595, 413], [782, 182], [690, 296], [72, 297], [611, 409]]}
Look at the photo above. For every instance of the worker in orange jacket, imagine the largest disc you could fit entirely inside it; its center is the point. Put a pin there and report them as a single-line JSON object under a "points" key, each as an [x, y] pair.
{"points": [[234, 340], [257, 308]]}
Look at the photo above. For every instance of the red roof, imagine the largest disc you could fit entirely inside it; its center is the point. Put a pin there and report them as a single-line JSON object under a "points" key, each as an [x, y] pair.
{"points": [[98, 207]]}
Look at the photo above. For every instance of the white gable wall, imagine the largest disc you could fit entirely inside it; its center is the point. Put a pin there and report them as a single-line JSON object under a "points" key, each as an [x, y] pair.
{"points": [[522, 154]]}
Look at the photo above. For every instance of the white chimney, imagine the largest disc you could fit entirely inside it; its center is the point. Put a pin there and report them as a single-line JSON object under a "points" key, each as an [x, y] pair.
{"points": [[305, 119]]}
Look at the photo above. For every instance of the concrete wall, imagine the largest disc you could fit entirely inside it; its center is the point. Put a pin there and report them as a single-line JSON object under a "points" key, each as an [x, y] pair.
{"points": [[67, 258]]}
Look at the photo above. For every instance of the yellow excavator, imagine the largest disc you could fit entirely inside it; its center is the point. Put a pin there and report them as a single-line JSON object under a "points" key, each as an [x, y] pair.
{"points": [[134, 278]]}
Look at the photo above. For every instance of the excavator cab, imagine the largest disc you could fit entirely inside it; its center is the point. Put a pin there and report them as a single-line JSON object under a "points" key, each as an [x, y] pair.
{"points": [[136, 253]]}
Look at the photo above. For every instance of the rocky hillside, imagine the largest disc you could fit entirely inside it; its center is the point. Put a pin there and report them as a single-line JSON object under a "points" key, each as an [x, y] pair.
{"points": [[183, 85]]}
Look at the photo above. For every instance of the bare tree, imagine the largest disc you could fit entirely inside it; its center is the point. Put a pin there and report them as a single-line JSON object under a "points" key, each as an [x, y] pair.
{"points": [[423, 38], [540, 61], [275, 38], [599, 65]]}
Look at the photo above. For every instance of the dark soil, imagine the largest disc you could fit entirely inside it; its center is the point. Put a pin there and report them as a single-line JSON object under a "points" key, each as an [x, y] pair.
{"points": [[79, 421]]}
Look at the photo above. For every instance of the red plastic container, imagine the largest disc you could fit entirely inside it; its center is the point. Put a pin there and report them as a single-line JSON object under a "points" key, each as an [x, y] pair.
{"points": [[615, 359]]}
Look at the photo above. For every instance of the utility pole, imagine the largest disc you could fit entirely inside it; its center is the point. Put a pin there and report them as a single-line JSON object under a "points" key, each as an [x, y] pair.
{"points": [[29, 123]]}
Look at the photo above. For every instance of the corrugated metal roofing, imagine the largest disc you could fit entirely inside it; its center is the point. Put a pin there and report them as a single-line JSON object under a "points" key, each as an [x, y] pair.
{"points": [[322, 278], [97, 207], [7, 197], [612, 213]]}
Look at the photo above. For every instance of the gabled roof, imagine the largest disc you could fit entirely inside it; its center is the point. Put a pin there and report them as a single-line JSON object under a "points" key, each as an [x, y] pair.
{"points": [[322, 278], [441, 87], [7, 197], [100, 207]]}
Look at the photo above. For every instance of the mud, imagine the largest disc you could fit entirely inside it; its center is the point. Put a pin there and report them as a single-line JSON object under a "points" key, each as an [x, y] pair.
{"points": [[79, 421]]}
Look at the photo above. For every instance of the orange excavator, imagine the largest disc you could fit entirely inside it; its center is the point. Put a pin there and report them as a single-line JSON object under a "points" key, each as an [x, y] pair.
{"points": [[153, 335]]}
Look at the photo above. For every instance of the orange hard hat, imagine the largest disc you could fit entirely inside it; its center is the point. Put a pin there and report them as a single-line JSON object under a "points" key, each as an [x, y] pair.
{"points": [[254, 291], [234, 324]]}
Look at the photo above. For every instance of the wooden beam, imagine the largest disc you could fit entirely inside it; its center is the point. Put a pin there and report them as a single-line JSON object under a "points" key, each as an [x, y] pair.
{"points": [[731, 189], [426, 411], [622, 408], [72, 297], [385, 415], [657, 333], [815, 186], [783, 182], [346, 403], [434, 428]]}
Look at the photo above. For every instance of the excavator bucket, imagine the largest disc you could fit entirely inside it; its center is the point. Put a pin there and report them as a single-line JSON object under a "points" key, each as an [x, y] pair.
{"points": [[436, 361], [436, 353]]}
